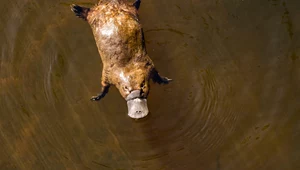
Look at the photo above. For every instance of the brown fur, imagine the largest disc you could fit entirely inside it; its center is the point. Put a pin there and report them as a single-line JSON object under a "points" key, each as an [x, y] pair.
{"points": [[120, 41]]}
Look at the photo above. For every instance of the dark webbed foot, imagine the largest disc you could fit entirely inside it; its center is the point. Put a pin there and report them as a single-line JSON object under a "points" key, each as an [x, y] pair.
{"points": [[102, 94], [79, 11], [159, 79], [137, 4]]}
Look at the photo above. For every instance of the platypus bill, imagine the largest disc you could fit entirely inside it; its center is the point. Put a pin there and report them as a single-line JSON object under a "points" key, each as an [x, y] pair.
{"points": [[121, 45]]}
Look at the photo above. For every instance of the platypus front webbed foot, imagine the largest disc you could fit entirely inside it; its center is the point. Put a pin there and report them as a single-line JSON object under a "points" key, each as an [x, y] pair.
{"points": [[80, 12], [102, 94], [96, 98], [165, 80], [159, 79]]}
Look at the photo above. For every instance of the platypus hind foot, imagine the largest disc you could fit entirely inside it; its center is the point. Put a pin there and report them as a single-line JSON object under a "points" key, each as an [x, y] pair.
{"points": [[137, 4], [80, 12]]}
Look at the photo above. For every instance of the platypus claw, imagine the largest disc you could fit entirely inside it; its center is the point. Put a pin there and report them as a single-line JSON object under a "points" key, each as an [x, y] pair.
{"points": [[95, 98], [166, 80]]}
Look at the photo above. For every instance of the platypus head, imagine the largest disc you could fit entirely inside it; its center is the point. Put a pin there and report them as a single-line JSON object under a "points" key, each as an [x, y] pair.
{"points": [[134, 88]]}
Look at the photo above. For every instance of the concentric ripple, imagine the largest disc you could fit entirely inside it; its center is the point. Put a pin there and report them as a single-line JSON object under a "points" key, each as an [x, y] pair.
{"points": [[233, 104]]}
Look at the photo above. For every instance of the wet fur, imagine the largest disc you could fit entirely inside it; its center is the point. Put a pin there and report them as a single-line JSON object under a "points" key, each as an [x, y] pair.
{"points": [[121, 45]]}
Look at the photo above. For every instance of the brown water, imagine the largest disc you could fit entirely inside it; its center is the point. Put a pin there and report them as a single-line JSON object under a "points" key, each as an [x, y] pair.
{"points": [[233, 104]]}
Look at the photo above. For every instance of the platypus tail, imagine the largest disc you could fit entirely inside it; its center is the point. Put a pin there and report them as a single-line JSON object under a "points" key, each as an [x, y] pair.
{"points": [[81, 12]]}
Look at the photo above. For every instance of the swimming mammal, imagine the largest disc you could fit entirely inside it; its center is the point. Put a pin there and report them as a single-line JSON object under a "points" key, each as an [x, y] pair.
{"points": [[126, 64]]}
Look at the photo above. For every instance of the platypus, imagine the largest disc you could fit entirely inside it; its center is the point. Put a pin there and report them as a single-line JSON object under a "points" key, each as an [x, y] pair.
{"points": [[121, 44]]}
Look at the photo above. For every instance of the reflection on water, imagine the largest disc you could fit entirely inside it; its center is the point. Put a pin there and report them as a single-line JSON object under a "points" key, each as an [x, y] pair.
{"points": [[233, 104]]}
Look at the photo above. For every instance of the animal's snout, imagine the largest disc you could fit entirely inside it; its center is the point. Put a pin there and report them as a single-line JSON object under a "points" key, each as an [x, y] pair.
{"points": [[137, 108]]}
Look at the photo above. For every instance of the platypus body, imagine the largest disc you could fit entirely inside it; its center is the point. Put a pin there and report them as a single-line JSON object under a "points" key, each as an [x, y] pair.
{"points": [[120, 41]]}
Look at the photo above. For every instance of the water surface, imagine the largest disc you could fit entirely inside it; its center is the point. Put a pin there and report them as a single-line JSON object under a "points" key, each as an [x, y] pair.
{"points": [[233, 104]]}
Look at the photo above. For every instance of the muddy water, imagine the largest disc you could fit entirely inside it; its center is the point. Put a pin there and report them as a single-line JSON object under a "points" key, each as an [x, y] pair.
{"points": [[233, 104]]}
